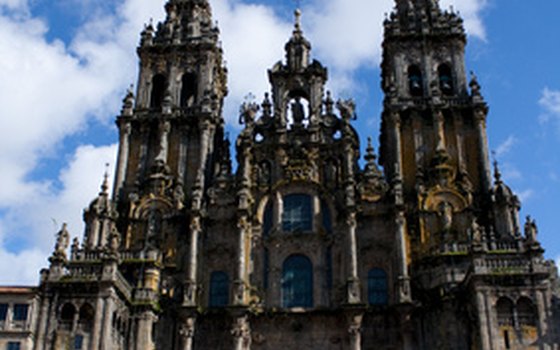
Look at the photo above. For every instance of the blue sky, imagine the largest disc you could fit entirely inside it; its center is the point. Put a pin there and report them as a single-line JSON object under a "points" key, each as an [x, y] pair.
{"points": [[66, 65]]}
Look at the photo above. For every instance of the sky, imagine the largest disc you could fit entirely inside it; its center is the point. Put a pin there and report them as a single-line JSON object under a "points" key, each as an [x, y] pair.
{"points": [[65, 66]]}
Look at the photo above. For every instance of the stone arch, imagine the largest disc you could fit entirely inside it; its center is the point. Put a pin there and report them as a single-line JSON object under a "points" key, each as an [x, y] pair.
{"points": [[85, 320], [415, 81], [189, 89], [445, 77], [526, 312], [66, 316], [505, 311]]}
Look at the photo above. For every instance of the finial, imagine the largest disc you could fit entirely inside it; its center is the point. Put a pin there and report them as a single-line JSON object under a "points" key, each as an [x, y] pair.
{"points": [[297, 14], [497, 173], [329, 103], [105, 184]]}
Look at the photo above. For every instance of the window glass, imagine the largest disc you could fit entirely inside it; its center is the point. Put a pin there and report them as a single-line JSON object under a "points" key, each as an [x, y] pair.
{"points": [[219, 289], [78, 342], [14, 345], [297, 282], [20, 312], [297, 213], [3, 312], [377, 287]]}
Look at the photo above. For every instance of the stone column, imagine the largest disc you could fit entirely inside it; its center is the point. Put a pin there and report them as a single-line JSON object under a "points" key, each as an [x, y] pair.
{"points": [[542, 328], [144, 339], [353, 291], [404, 280], [483, 321], [182, 161], [395, 124], [243, 227], [418, 140], [460, 141], [486, 175], [241, 334], [42, 324], [97, 324], [186, 334], [107, 339], [440, 130], [192, 268], [122, 158], [165, 128], [355, 332]]}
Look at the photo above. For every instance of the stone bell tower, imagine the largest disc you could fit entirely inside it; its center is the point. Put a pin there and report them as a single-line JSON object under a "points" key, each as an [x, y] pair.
{"points": [[463, 249], [433, 141]]}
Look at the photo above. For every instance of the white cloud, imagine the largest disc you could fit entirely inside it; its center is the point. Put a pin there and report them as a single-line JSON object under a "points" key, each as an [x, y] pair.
{"points": [[506, 146], [550, 102], [525, 194]]}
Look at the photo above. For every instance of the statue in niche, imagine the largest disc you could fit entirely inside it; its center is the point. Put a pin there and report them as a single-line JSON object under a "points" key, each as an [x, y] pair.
{"points": [[264, 174], [298, 112], [154, 224], [446, 215]]}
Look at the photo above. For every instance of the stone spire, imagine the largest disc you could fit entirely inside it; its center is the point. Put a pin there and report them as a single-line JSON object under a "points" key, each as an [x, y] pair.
{"points": [[298, 48]]}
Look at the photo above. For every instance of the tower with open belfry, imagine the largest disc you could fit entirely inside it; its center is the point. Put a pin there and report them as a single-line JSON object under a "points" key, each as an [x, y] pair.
{"points": [[307, 244]]}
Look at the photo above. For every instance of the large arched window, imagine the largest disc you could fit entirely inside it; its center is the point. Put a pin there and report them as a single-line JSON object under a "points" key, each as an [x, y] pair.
{"points": [[159, 84], [297, 214], [377, 287], [297, 282], [219, 289], [445, 79], [415, 81], [189, 89]]}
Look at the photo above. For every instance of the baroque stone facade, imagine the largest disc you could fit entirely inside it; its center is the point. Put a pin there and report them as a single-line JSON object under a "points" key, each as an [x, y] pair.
{"points": [[300, 247]]}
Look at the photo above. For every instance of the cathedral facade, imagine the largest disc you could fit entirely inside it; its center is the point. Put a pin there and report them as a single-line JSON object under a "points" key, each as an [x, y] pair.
{"points": [[300, 247]]}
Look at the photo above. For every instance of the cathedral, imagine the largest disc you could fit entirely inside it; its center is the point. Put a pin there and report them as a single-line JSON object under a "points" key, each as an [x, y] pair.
{"points": [[307, 244]]}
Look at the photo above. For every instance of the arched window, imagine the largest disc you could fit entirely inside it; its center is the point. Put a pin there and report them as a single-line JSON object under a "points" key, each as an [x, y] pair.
{"points": [[189, 89], [297, 282], [297, 214], [377, 287], [526, 313], [219, 289], [504, 309], [445, 79], [415, 81], [86, 318], [159, 84], [66, 317]]}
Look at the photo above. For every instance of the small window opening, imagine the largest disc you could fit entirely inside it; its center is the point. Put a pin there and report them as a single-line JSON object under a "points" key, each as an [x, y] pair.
{"points": [[219, 289], [445, 79], [377, 287], [506, 339], [297, 282], [415, 81], [20, 312], [159, 84], [189, 89]]}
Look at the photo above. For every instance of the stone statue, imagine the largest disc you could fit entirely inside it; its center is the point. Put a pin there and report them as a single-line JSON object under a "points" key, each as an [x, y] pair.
{"points": [[446, 215], [62, 241], [531, 231], [298, 113]]}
